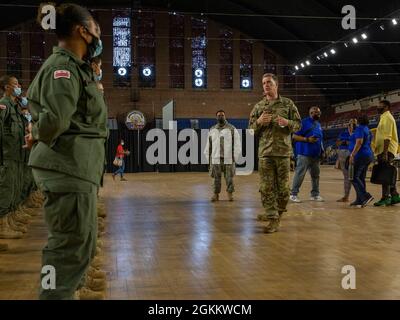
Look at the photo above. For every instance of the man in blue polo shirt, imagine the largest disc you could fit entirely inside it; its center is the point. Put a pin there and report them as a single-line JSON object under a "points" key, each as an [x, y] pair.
{"points": [[308, 149]]}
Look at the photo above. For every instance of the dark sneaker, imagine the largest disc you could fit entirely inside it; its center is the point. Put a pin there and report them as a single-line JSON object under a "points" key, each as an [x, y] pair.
{"points": [[383, 202], [367, 201], [395, 200], [355, 204]]}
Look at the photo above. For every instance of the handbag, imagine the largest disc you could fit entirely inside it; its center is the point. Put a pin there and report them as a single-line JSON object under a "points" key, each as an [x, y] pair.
{"points": [[117, 162], [384, 174]]}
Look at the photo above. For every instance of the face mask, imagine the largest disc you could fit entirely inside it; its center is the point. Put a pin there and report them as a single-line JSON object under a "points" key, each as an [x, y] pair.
{"points": [[99, 77], [28, 117], [24, 101], [17, 92], [221, 120], [95, 48]]}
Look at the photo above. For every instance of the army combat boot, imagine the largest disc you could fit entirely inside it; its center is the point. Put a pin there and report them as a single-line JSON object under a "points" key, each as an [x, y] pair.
{"points": [[96, 263], [230, 196], [95, 284], [6, 232], [262, 217], [215, 197], [273, 226], [87, 294], [14, 225], [96, 274]]}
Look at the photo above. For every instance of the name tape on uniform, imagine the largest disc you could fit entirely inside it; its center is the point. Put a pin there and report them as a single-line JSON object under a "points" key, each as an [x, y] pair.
{"points": [[58, 74], [3, 107]]}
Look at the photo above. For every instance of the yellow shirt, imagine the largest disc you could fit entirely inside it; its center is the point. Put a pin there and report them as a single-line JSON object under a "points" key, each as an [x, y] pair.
{"points": [[387, 130]]}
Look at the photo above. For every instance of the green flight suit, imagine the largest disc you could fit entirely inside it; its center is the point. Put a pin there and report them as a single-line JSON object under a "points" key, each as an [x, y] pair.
{"points": [[12, 131], [275, 148], [70, 126]]}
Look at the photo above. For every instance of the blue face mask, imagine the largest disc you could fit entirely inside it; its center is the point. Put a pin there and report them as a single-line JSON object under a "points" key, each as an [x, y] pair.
{"points": [[24, 101], [28, 117], [99, 77], [17, 92]]}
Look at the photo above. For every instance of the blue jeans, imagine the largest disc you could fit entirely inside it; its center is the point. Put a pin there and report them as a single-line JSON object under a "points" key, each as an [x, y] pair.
{"points": [[360, 172], [302, 166], [121, 169]]}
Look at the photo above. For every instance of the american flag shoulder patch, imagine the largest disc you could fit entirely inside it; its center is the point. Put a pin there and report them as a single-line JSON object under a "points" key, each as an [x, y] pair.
{"points": [[58, 74]]}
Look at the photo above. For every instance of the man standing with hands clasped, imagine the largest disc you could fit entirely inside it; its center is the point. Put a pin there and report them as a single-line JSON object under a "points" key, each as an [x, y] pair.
{"points": [[273, 120]]}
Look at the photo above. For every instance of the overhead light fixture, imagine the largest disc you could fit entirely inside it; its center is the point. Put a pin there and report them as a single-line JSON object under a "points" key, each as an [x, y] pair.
{"points": [[333, 51], [364, 36], [346, 44], [394, 21], [198, 82], [325, 54], [355, 40], [382, 27], [245, 83], [308, 63], [296, 67], [318, 58]]}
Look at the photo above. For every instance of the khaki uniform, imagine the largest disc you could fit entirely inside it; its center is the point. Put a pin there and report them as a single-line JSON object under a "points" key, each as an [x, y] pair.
{"points": [[70, 125], [275, 149]]}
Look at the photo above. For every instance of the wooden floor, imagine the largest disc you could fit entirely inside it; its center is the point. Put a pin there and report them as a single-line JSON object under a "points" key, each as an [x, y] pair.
{"points": [[165, 240]]}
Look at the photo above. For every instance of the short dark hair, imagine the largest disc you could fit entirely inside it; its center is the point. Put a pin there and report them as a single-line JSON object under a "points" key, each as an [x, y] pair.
{"points": [[68, 15], [363, 119], [220, 111], [273, 76], [386, 103]]}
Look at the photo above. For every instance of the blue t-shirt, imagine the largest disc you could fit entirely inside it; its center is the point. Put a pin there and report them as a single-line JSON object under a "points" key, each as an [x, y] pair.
{"points": [[361, 132], [344, 139], [309, 128]]}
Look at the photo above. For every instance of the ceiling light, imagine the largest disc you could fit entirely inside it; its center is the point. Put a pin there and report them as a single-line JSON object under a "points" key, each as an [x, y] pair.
{"points": [[355, 40], [364, 36], [307, 62], [394, 21], [333, 51]]}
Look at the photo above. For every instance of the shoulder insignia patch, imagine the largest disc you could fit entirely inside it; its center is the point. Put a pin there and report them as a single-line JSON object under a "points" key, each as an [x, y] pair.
{"points": [[3, 107], [58, 74]]}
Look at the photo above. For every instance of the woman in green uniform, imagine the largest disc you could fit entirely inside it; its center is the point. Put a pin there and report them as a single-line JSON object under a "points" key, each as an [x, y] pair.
{"points": [[67, 138]]}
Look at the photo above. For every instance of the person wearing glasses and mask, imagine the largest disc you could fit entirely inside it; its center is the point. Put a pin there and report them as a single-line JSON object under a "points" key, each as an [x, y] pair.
{"points": [[67, 137]]}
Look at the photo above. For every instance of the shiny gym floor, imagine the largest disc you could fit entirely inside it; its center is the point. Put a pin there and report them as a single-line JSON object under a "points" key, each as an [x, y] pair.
{"points": [[166, 240]]}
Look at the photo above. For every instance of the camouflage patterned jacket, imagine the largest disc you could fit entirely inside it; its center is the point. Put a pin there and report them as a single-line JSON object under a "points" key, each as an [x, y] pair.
{"points": [[274, 140]]}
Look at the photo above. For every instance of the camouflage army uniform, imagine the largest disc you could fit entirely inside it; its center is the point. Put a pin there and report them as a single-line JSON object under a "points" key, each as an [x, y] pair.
{"points": [[275, 148], [222, 165]]}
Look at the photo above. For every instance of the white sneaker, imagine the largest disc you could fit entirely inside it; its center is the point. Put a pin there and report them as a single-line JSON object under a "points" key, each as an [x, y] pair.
{"points": [[317, 199], [295, 199]]}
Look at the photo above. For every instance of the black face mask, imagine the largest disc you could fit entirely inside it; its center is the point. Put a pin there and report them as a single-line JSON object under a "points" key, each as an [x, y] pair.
{"points": [[221, 120], [95, 47]]}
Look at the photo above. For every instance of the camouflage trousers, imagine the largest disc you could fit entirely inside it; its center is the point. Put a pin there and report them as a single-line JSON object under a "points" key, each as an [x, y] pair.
{"points": [[274, 185], [216, 171]]}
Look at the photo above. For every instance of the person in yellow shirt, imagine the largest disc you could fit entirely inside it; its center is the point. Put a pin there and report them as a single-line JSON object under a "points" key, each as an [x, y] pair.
{"points": [[386, 148]]}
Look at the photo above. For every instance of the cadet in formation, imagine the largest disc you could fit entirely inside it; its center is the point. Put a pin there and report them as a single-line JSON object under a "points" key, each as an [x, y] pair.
{"points": [[67, 139]]}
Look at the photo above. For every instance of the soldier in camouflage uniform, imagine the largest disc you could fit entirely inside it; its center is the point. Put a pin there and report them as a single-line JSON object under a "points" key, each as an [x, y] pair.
{"points": [[223, 149], [273, 120]]}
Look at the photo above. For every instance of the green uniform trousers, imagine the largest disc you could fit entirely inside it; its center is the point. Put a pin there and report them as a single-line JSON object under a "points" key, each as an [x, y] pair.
{"points": [[216, 171], [71, 217], [274, 185], [9, 176]]}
